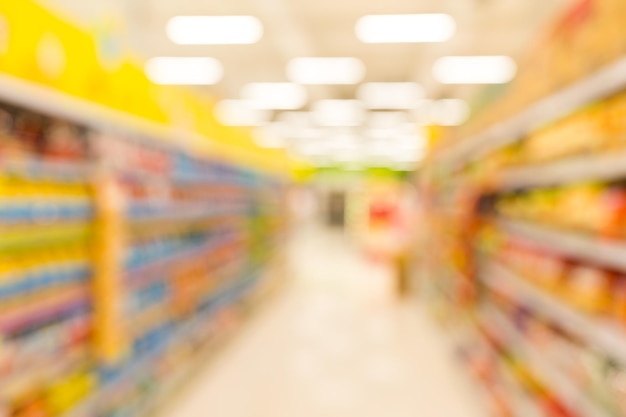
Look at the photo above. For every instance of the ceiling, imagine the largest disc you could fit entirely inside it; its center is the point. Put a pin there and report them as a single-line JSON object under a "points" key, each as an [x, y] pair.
{"points": [[325, 28], [294, 28]]}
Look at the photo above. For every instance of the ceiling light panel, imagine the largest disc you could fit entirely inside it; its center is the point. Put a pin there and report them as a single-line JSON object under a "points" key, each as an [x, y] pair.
{"points": [[275, 96], [325, 71], [474, 69], [390, 96], [239, 113], [214, 30], [338, 113], [184, 70], [406, 28]]}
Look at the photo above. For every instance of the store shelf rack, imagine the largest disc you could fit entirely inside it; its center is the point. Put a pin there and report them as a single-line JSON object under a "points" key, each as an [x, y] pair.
{"points": [[599, 85], [223, 298], [568, 393], [607, 167], [598, 251], [594, 332], [61, 205]]}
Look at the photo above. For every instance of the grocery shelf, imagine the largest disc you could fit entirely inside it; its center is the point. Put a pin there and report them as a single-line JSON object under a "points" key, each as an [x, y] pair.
{"points": [[53, 103], [180, 212], [523, 405], [26, 381], [465, 334], [140, 273], [601, 84], [605, 252], [593, 332], [159, 212], [64, 300], [224, 297], [38, 168], [571, 395], [606, 167]]}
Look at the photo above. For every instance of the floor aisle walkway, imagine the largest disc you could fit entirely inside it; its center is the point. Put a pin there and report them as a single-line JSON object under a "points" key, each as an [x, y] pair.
{"points": [[334, 345]]}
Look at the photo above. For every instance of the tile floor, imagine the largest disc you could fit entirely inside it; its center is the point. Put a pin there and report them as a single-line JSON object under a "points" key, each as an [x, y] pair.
{"points": [[335, 344]]}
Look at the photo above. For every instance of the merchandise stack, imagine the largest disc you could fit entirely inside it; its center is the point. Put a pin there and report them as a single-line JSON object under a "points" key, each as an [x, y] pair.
{"points": [[121, 259], [528, 219]]}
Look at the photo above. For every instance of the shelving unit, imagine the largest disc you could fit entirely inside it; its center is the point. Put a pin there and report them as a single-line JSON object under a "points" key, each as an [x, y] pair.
{"points": [[122, 261], [534, 211], [607, 252], [559, 383], [603, 336], [599, 85], [608, 167]]}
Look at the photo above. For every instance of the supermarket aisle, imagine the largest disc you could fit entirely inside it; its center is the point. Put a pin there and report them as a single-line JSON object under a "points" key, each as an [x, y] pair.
{"points": [[336, 344]]}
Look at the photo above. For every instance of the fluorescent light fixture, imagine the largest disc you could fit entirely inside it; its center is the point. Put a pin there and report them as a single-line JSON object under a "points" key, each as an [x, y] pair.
{"points": [[275, 96], [338, 113], [214, 30], [390, 96], [325, 71], [184, 70], [239, 113], [405, 28], [474, 69]]}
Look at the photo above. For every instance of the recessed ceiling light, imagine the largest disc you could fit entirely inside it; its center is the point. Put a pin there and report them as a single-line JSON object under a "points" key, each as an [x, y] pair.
{"points": [[390, 96], [474, 69], [405, 28], [214, 30], [184, 70], [338, 113], [325, 71], [275, 96], [239, 113]]}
